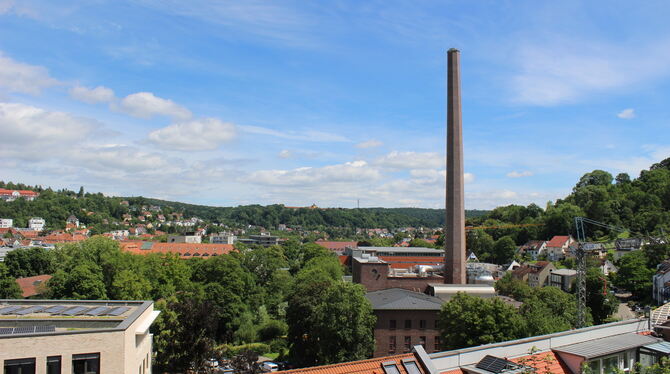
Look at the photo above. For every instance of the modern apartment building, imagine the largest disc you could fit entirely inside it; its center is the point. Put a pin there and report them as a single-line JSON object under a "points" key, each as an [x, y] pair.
{"points": [[79, 337]]}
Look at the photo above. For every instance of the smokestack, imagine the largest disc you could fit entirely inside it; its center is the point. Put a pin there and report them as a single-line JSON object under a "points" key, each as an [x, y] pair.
{"points": [[454, 241]]}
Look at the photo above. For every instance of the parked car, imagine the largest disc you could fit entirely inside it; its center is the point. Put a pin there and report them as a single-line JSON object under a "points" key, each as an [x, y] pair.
{"points": [[269, 366]]}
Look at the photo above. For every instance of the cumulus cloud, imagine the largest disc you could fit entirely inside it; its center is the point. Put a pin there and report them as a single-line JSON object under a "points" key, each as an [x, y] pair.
{"points": [[31, 132], [627, 114], [23, 78], [355, 171], [441, 175], [197, 135], [96, 95], [369, 144], [411, 160], [519, 174], [147, 105], [285, 153], [119, 157]]}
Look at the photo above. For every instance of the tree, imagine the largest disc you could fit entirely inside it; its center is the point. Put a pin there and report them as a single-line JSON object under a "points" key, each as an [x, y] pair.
{"points": [[129, 285], [28, 262], [503, 250], [634, 275], [549, 310], [9, 289], [480, 243], [329, 322], [594, 178], [514, 288], [600, 302], [466, 321], [82, 282]]}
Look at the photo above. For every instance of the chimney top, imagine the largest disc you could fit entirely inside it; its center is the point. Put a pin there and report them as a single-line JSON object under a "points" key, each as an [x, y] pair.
{"points": [[453, 50]]}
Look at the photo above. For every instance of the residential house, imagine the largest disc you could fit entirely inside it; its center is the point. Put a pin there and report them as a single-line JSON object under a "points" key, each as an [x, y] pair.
{"points": [[33, 286], [79, 337], [11, 195], [36, 223], [557, 247], [71, 222], [661, 283], [404, 319], [536, 274], [534, 249], [563, 278], [6, 223]]}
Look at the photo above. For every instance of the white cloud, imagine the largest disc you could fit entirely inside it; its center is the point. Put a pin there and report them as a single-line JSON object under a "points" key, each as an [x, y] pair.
{"points": [[285, 153], [627, 114], [309, 135], [96, 95], [519, 174], [147, 105], [441, 175], [355, 171], [29, 132], [411, 160], [23, 78], [369, 144], [119, 157], [197, 135], [565, 71]]}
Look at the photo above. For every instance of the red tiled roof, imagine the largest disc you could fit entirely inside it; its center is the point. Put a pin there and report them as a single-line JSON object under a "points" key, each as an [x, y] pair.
{"points": [[336, 246], [62, 237], [371, 366], [184, 250], [545, 362], [21, 192], [31, 286], [453, 371], [558, 241], [29, 234], [344, 260]]}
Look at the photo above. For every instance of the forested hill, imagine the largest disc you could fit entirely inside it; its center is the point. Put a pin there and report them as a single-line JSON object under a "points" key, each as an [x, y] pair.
{"points": [[272, 215], [94, 209]]}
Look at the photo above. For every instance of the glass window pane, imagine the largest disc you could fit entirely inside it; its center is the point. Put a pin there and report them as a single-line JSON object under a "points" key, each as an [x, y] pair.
{"points": [[86, 363], [610, 364], [595, 366], [391, 369], [20, 366], [411, 367], [54, 365]]}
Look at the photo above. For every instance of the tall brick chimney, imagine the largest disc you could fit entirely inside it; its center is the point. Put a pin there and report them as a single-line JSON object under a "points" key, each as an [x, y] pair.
{"points": [[454, 240]]}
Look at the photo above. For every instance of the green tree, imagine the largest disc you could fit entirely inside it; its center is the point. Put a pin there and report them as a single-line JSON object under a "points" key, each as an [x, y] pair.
{"points": [[467, 321], [504, 250], [9, 289], [549, 310], [600, 302], [330, 324], [634, 275], [82, 282], [514, 288], [481, 243], [130, 285], [28, 262]]}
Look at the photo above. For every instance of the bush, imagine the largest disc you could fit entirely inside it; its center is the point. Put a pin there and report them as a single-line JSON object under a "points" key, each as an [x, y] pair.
{"points": [[272, 329]]}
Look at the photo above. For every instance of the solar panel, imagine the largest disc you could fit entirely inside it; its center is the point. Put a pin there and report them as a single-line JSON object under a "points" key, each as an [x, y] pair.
{"points": [[492, 364], [32, 309], [9, 309], [45, 328], [24, 330], [73, 311], [98, 311], [6, 330], [118, 311], [55, 309]]}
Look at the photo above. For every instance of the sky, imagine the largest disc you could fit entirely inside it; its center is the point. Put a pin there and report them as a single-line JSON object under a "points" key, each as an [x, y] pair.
{"points": [[333, 103]]}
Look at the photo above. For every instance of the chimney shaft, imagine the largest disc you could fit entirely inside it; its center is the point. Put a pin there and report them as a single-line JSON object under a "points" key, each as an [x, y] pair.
{"points": [[455, 208]]}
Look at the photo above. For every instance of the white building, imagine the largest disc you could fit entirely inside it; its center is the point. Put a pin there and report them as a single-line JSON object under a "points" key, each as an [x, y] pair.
{"points": [[36, 223], [184, 239], [67, 336], [6, 223], [222, 238]]}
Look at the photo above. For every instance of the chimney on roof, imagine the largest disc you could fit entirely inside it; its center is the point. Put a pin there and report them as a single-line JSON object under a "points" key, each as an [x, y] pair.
{"points": [[455, 208]]}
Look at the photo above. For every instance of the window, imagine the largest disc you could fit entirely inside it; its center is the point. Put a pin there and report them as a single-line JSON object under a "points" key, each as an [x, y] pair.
{"points": [[392, 344], [437, 343], [392, 324], [422, 324], [391, 368], [436, 325], [20, 366], [86, 364], [408, 323], [422, 341], [408, 343], [53, 365], [411, 367], [611, 364]]}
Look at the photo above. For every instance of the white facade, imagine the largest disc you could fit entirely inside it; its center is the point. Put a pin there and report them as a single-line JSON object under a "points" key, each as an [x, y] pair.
{"points": [[91, 344], [222, 238], [36, 223], [6, 223]]}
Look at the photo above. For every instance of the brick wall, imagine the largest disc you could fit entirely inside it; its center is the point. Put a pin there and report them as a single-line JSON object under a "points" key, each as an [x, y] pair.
{"points": [[384, 332]]}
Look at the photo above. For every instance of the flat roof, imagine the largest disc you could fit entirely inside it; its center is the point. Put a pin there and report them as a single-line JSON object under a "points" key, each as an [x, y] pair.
{"points": [[19, 318], [401, 299], [604, 346], [401, 249]]}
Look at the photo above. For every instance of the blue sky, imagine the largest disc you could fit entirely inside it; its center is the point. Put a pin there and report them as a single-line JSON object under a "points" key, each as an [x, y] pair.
{"points": [[240, 102]]}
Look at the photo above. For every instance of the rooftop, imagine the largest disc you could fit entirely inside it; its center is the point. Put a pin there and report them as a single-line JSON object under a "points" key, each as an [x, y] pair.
{"points": [[54, 317], [400, 299], [608, 345], [372, 366]]}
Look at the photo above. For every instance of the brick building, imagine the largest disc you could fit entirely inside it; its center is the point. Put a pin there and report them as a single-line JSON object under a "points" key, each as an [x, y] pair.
{"points": [[376, 274], [404, 319]]}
